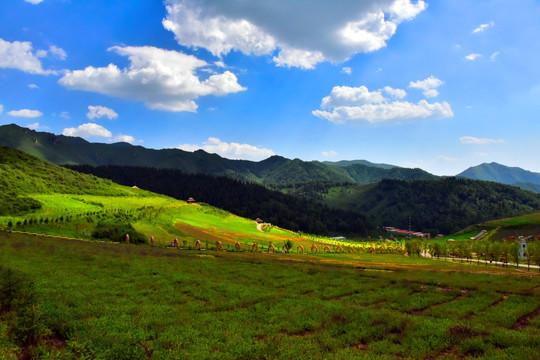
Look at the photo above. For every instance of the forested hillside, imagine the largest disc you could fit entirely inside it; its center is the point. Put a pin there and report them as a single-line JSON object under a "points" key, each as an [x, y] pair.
{"points": [[65, 150], [245, 199], [446, 205]]}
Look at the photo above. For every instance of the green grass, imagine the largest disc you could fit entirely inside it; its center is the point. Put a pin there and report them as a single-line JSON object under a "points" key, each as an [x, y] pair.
{"points": [[106, 301]]}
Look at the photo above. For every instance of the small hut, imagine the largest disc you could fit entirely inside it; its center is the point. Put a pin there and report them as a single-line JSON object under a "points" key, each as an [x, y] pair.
{"points": [[191, 200], [259, 221]]}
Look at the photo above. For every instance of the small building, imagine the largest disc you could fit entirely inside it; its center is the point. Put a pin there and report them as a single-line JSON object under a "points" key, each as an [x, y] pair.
{"points": [[191, 200], [259, 221]]}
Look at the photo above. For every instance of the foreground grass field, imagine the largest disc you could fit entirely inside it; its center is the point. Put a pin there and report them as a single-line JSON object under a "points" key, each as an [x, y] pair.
{"points": [[113, 301]]}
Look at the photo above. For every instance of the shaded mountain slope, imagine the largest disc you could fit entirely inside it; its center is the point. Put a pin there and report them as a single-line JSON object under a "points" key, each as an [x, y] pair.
{"points": [[64, 150]]}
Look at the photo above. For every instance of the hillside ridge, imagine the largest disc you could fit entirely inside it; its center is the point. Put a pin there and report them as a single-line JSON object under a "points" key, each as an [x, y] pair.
{"points": [[64, 150]]}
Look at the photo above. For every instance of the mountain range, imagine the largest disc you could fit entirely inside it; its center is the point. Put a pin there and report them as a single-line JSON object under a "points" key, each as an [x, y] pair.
{"points": [[328, 197], [276, 170], [515, 176], [65, 150]]}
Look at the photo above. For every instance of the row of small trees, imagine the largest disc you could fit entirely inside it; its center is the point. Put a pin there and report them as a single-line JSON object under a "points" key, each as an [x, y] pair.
{"points": [[487, 250]]}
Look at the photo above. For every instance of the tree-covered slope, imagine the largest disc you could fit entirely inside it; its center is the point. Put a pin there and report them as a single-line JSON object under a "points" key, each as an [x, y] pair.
{"points": [[446, 205], [500, 173], [23, 174], [64, 150], [245, 199]]}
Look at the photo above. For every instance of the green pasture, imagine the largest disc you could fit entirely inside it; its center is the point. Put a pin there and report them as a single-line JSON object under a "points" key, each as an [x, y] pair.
{"points": [[88, 300], [76, 215]]}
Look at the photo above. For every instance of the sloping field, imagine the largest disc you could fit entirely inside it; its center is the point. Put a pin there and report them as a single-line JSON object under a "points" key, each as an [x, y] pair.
{"points": [[115, 301]]}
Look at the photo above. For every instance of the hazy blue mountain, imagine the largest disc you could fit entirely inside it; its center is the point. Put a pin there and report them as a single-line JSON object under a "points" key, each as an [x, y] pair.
{"points": [[504, 174]]}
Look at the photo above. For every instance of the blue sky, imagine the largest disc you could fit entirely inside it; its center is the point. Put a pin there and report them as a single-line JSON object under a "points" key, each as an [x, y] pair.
{"points": [[440, 85]]}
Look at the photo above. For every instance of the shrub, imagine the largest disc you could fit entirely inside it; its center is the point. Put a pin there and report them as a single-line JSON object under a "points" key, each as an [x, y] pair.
{"points": [[117, 232]]}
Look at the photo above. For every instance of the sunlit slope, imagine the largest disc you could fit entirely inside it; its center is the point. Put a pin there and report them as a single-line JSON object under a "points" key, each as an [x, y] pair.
{"points": [[66, 203], [526, 225]]}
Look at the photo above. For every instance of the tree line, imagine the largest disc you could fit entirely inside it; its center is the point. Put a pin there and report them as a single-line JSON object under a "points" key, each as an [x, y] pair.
{"points": [[241, 198]]}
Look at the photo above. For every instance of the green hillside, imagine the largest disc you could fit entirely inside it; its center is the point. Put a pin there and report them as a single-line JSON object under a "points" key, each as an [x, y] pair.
{"points": [[64, 150], [503, 174], [446, 205], [22, 174], [41, 197]]}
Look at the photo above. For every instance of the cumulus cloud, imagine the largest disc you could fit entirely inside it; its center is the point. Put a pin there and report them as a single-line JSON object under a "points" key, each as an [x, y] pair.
{"points": [[378, 113], [428, 86], [163, 79], [478, 141], [472, 57], [397, 93], [303, 59], [25, 113], [59, 53], [230, 150], [358, 104], [101, 111], [88, 130], [329, 153], [124, 138], [345, 95], [18, 55], [303, 33], [35, 2], [483, 27]]}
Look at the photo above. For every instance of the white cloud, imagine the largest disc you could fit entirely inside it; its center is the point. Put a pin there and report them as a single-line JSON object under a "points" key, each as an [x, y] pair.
{"points": [[163, 79], [230, 150], [41, 53], [346, 70], [345, 95], [358, 104], [493, 56], [35, 2], [59, 53], [88, 130], [397, 93], [483, 27], [25, 113], [378, 113], [304, 33], [303, 59], [124, 138], [18, 55], [478, 141], [428, 86], [329, 153], [472, 57], [101, 111], [37, 126], [33, 86], [65, 115], [1, 108]]}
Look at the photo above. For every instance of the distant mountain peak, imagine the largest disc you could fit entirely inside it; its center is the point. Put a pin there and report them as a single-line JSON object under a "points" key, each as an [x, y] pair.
{"points": [[501, 173]]}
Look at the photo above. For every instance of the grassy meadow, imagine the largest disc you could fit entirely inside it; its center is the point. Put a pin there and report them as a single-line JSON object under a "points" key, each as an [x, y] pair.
{"points": [[88, 300], [73, 289]]}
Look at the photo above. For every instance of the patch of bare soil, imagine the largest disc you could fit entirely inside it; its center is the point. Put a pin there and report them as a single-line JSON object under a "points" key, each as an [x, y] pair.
{"points": [[524, 320]]}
